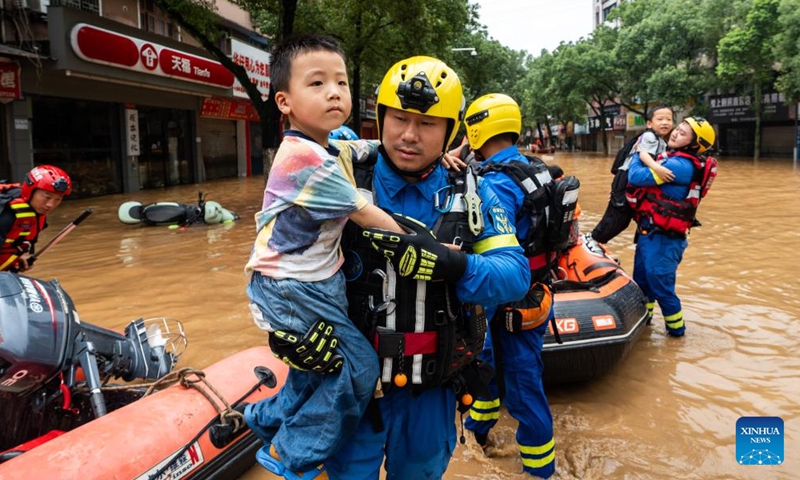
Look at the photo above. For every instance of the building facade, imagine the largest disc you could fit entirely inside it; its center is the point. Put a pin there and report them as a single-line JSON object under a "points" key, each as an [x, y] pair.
{"points": [[115, 94]]}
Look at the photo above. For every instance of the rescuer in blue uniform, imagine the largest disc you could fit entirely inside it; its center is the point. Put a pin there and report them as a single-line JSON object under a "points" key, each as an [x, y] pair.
{"points": [[665, 212], [416, 299], [493, 124]]}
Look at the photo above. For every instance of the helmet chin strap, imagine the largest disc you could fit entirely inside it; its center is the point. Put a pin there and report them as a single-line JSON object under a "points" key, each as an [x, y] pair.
{"points": [[418, 174]]}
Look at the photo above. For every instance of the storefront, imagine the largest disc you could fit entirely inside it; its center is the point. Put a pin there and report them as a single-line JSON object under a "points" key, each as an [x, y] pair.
{"points": [[734, 120], [609, 123], [119, 109], [9, 91], [83, 138], [165, 156]]}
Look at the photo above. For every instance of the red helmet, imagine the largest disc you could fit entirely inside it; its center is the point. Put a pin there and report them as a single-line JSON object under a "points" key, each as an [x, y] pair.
{"points": [[46, 177]]}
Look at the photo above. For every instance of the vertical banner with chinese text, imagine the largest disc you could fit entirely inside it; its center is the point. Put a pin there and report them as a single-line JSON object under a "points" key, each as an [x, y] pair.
{"points": [[132, 131]]}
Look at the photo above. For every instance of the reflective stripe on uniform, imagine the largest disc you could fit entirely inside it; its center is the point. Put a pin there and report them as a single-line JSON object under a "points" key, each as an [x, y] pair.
{"points": [[485, 410], [526, 451], [538, 462], [391, 318], [11, 259], [419, 326], [497, 241], [675, 320]]}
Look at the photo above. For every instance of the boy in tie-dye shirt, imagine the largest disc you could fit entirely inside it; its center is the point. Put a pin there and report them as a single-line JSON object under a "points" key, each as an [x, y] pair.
{"points": [[297, 288]]}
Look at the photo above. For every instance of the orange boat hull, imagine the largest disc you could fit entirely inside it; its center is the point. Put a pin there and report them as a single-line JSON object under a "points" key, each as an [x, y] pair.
{"points": [[600, 313], [135, 440]]}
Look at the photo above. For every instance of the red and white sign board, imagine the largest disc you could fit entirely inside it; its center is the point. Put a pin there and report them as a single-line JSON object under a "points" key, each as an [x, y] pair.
{"points": [[9, 80], [98, 45], [256, 62]]}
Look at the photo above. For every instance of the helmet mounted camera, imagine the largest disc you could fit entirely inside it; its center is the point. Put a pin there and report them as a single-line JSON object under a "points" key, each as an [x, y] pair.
{"points": [[417, 93]]}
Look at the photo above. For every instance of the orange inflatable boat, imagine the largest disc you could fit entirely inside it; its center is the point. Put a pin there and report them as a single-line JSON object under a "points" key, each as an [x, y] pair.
{"points": [[600, 313], [55, 422]]}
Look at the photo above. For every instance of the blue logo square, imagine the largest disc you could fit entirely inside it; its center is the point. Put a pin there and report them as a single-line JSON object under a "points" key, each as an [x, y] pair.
{"points": [[759, 441]]}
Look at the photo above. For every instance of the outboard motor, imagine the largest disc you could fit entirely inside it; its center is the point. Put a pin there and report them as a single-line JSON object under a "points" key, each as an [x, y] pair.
{"points": [[45, 349]]}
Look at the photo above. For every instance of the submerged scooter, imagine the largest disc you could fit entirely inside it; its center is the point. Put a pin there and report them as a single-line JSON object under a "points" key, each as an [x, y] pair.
{"points": [[172, 213], [53, 365]]}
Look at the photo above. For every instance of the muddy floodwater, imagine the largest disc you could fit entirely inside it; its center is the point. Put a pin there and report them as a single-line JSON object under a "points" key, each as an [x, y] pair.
{"points": [[668, 411]]}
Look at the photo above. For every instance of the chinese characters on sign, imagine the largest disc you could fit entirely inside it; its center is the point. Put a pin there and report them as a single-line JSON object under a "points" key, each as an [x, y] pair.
{"points": [[228, 109], [256, 62], [97, 45], [733, 109], [607, 121], [9, 80], [132, 131]]}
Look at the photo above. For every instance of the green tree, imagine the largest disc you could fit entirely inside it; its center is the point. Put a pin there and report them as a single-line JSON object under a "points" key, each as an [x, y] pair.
{"points": [[377, 33], [200, 20], [494, 68], [747, 55], [788, 41], [665, 52], [587, 72]]}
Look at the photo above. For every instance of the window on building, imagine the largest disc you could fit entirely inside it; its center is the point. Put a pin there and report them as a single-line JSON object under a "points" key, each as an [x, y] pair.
{"points": [[224, 43], [155, 20], [607, 11], [91, 6]]}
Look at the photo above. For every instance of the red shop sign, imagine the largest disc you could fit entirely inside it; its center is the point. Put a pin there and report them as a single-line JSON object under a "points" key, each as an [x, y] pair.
{"points": [[228, 109], [9, 80], [97, 45]]}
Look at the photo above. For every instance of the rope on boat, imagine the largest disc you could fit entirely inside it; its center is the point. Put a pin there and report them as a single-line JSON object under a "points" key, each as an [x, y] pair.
{"points": [[265, 377], [190, 377], [235, 416]]}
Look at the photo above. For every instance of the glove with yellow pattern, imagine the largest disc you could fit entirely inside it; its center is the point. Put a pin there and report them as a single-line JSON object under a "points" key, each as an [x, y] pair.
{"points": [[315, 351], [417, 254]]}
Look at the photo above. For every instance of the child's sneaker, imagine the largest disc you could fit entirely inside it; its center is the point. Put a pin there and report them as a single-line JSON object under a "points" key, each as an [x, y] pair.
{"points": [[268, 457]]}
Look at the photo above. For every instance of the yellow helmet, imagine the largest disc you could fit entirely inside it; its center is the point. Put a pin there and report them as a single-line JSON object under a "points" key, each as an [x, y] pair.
{"points": [[422, 85], [492, 115], [704, 135]]}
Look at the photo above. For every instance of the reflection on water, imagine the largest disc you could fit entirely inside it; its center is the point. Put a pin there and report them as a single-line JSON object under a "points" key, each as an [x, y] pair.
{"points": [[668, 411]]}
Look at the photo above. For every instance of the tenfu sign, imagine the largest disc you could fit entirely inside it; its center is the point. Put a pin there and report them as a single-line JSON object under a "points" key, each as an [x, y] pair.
{"points": [[97, 45]]}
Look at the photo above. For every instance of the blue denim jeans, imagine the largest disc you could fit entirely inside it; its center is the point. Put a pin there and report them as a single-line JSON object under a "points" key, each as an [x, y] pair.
{"points": [[314, 414]]}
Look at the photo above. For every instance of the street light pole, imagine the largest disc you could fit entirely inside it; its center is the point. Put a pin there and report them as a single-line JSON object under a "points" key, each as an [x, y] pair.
{"points": [[796, 133], [471, 50]]}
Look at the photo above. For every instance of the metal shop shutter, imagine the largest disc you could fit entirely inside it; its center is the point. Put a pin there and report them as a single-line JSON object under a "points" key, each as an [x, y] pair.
{"points": [[778, 141], [218, 146]]}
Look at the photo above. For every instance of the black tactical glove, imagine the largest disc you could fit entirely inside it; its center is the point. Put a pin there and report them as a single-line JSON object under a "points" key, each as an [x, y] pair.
{"points": [[418, 254], [315, 351]]}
